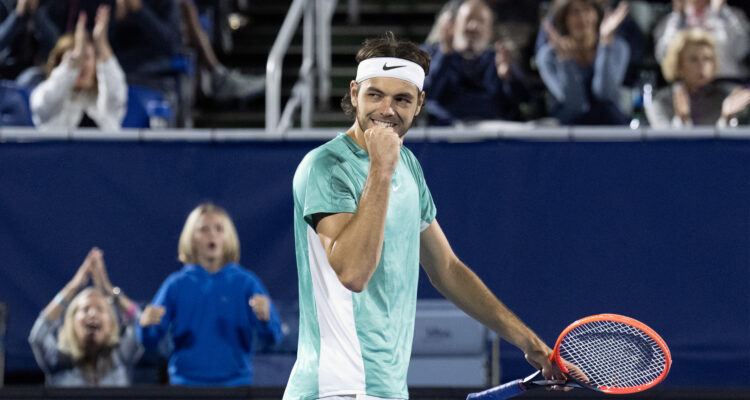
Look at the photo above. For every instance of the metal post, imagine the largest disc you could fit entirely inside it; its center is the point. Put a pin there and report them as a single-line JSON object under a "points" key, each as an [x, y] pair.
{"points": [[308, 58]]}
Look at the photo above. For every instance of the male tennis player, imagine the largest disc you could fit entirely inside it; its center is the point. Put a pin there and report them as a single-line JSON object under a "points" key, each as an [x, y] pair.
{"points": [[364, 221]]}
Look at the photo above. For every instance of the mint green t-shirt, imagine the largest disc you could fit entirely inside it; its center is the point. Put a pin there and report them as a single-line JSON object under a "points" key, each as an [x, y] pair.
{"points": [[356, 343]]}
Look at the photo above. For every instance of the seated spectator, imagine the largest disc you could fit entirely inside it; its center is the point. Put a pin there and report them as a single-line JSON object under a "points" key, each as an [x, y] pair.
{"points": [[78, 340], [695, 98], [84, 80], [440, 38], [628, 30], [213, 307], [217, 81], [728, 25], [583, 64], [474, 81], [145, 38], [26, 38]]}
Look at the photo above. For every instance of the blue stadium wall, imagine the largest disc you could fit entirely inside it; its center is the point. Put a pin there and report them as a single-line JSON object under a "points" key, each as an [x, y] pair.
{"points": [[656, 230]]}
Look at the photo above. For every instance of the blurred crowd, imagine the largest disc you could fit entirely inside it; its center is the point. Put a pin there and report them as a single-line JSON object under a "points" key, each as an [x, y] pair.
{"points": [[600, 63], [86, 63], [120, 63]]}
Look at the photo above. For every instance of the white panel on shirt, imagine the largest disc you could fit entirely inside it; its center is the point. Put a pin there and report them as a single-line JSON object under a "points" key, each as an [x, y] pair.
{"points": [[341, 368]]}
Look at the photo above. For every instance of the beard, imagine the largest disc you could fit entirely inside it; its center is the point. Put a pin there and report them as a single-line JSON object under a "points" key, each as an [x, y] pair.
{"points": [[403, 128]]}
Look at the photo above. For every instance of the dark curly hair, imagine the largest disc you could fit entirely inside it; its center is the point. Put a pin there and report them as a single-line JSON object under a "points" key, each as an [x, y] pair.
{"points": [[387, 46]]}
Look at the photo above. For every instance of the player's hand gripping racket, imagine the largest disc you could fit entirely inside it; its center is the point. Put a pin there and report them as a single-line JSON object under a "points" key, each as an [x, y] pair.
{"points": [[608, 353]]}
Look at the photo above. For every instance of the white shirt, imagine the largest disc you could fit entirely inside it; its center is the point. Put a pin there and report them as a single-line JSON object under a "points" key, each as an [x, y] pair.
{"points": [[55, 105], [730, 30]]}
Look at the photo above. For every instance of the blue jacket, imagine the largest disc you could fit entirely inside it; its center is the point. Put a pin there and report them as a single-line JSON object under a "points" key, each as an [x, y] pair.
{"points": [[212, 327], [586, 95]]}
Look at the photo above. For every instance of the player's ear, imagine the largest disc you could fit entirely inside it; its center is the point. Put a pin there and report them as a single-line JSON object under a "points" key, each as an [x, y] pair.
{"points": [[353, 89], [420, 103]]}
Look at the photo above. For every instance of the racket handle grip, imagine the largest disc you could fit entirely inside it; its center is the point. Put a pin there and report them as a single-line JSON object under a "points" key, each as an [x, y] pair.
{"points": [[502, 392]]}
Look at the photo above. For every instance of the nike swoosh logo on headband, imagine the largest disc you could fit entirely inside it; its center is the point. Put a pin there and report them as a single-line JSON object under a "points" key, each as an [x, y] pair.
{"points": [[387, 68]]}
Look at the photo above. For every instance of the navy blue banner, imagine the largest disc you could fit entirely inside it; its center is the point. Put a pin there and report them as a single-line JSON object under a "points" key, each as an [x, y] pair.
{"points": [[659, 231]]}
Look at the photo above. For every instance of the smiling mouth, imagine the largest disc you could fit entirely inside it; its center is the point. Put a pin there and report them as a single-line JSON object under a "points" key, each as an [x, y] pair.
{"points": [[383, 123]]}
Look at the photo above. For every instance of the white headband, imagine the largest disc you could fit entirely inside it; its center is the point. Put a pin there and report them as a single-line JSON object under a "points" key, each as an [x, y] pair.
{"points": [[390, 67]]}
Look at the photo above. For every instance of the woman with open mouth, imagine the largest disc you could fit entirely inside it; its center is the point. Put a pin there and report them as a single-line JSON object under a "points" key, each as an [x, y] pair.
{"points": [[77, 339]]}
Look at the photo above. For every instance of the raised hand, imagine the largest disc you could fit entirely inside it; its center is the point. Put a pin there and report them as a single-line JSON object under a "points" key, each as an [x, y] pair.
{"points": [[261, 306], [83, 274], [26, 7], [100, 32], [563, 45], [611, 21], [152, 315], [737, 101], [125, 7], [99, 272], [384, 146], [79, 39], [681, 102], [678, 6], [716, 5], [502, 60]]}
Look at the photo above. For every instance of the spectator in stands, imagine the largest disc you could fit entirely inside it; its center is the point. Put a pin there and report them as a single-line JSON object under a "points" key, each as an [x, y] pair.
{"points": [[628, 30], [440, 38], [695, 98], [474, 81], [79, 339], [213, 307], [26, 38], [583, 64], [728, 25], [146, 37], [217, 81], [84, 80]]}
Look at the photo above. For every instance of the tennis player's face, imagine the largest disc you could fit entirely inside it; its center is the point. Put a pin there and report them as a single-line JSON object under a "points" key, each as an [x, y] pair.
{"points": [[208, 239], [92, 324], [386, 102]]}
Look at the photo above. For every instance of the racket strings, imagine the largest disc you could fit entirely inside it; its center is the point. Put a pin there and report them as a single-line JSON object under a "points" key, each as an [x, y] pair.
{"points": [[612, 354]]}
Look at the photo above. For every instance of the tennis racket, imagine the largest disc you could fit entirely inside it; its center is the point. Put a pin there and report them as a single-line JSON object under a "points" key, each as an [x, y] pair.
{"points": [[607, 352]]}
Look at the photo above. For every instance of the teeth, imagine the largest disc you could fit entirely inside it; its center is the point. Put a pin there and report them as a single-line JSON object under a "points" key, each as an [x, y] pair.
{"points": [[384, 124]]}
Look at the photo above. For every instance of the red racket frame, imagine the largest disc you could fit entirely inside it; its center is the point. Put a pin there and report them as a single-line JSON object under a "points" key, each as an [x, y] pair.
{"points": [[625, 320]]}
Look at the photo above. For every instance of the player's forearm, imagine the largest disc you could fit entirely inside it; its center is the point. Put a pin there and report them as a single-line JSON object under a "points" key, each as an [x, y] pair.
{"points": [[355, 253], [464, 288]]}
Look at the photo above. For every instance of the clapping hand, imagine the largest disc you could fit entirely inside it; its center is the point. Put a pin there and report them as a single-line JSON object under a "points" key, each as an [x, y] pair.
{"points": [[502, 60], [80, 37], [98, 272], [612, 21], [26, 7], [681, 102], [716, 5], [100, 32], [563, 45], [735, 103], [125, 7], [83, 274]]}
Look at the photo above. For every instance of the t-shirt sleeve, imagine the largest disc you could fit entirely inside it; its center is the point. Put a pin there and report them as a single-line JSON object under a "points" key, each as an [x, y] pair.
{"points": [[426, 204], [325, 188]]}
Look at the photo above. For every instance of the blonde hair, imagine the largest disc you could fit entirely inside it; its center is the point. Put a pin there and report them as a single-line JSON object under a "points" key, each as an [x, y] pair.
{"points": [[185, 251], [68, 342], [670, 65]]}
